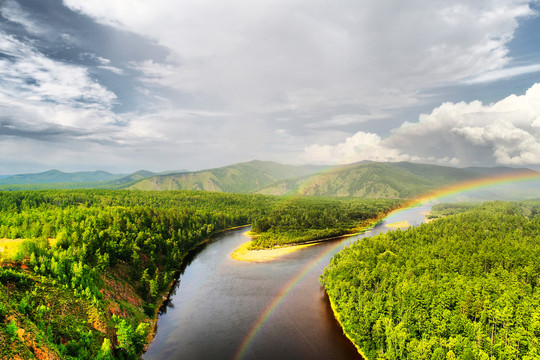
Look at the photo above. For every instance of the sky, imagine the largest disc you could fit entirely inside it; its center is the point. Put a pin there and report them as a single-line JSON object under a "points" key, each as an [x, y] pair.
{"points": [[163, 85]]}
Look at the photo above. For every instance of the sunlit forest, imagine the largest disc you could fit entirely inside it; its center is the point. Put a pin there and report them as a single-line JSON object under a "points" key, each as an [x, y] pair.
{"points": [[304, 219], [465, 286], [85, 271]]}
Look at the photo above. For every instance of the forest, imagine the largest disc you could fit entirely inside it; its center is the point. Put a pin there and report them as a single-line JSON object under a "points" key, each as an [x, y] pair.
{"points": [[89, 267], [463, 287], [83, 272], [303, 219]]}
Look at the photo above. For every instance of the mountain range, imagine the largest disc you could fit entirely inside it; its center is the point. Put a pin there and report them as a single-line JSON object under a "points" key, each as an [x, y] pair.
{"points": [[240, 178], [57, 176], [384, 180], [364, 179]]}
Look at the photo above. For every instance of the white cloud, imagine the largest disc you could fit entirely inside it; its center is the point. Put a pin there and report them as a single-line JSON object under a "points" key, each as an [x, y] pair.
{"points": [[51, 101], [98, 59], [269, 78], [505, 132], [360, 146], [506, 73], [28, 74], [12, 11], [346, 119], [308, 55], [112, 69]]}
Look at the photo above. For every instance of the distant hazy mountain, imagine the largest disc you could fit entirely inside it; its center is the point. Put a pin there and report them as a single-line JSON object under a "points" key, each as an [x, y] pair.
{"points": [[498, 170], [57, 176], [241, 178], [385, 180], [137, 175], [364, 179]]}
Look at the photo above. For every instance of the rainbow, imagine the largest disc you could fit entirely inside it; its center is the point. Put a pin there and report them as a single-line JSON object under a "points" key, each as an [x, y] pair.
{"points": [[471, 185], [265, 315], [442, 193]]}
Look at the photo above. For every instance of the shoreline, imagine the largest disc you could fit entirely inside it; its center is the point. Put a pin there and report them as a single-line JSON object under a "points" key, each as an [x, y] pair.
{"points": [[333, 305], [242, 253], [336, 316], [359, 231], [399, 225]]}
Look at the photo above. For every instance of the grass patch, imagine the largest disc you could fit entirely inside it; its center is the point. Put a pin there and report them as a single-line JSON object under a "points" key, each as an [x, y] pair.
{"points": [[8, 247]]}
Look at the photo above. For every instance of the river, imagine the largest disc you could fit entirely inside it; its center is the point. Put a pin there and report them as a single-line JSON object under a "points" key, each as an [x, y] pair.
{"points": [[221, 308]]}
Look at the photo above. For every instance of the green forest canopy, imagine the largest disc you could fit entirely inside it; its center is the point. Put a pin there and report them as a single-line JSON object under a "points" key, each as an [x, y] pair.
{"points": [[302, 219], [465, 286], [91, 266]]}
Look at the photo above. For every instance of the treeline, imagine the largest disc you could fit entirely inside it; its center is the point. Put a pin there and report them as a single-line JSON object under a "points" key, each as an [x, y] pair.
{"points": [[302, 219], [446, 209], [465, 286]]}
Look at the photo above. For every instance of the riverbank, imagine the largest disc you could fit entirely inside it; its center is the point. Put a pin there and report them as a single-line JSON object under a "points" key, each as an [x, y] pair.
{"points": [[220, 298], [347, 335], [402, 224], [244, 253]]}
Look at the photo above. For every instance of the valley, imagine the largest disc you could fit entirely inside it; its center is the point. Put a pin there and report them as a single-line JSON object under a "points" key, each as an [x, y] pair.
{"points": [[112, 256]]}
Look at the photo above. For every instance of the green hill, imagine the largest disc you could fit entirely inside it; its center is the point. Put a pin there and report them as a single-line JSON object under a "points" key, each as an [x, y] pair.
{"points": [[240, 178], [57, 176], [365, 179], [498, 170], [125, 180], [380, 180], [58, 180]]}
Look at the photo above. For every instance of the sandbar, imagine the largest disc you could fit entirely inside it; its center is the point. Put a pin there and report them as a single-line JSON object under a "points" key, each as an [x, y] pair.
{"points": [[243, 254], [398, 225]]}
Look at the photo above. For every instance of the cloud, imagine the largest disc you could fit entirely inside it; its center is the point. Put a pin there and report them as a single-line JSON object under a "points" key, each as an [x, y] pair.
{"points": [[12, 11], [506, 73], [506, 132], [95, 58], [346, 119], [51, 101], [240, 80], [360, 146], [28, 74], [305, 56], [112, 69]]}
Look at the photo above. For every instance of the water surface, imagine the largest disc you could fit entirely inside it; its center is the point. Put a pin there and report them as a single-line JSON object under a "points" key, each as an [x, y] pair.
{"points": [[226, 309]]}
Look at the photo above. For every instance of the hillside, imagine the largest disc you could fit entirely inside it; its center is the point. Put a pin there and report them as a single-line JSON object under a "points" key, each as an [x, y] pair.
{"points": [[57, 176], [365, 179], [240, 178], [136, 176], [380, 180], [497, 170], [85, 281]]}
